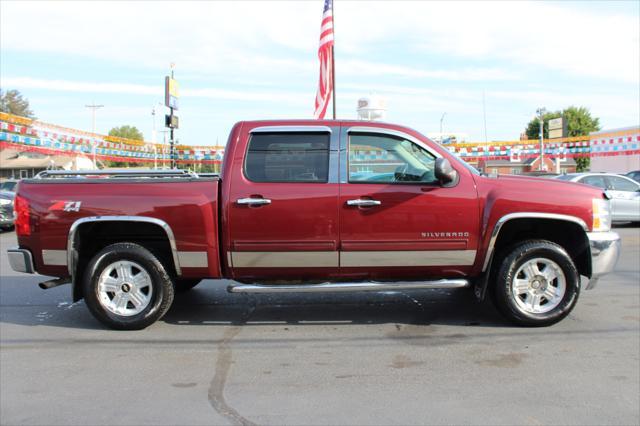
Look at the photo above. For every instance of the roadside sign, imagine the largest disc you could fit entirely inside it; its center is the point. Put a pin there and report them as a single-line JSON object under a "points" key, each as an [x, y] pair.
{"points": [[171, 92], [557, 128], [171, 121]]}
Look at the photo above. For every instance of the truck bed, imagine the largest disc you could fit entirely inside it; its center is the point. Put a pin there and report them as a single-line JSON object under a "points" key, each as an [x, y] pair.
{"points": [[184, 207]]}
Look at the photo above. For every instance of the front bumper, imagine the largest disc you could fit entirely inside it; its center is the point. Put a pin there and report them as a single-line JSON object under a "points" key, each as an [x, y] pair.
{"points": [[21, 260], [605, 250]]}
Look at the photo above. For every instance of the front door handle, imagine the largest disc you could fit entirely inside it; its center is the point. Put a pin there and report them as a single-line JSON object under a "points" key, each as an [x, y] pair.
{"points": [[253, 201], [360, 202]]}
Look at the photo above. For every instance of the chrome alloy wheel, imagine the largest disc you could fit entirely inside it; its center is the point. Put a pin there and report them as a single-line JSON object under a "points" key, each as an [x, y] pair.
{"points": [[124, 288], [539, 286]]}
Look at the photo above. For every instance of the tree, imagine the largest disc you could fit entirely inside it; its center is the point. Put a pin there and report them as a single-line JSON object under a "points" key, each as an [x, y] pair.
{"points": [[579, 122], [129, 132], [12, 102], [583, 164]]}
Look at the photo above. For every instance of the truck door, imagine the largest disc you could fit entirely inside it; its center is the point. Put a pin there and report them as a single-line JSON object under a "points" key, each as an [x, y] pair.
{"points": [[396, 221], [283, 204]]}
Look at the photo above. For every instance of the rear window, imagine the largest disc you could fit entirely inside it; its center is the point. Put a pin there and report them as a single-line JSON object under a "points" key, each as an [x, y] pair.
{"points": [[288, 157]]}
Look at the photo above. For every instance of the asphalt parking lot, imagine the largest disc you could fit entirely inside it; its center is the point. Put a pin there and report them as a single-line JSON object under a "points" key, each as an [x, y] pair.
{"points": [[434, 357]]}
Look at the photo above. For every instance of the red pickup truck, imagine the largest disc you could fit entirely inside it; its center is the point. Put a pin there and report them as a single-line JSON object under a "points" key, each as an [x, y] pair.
{"points": [[315, 206]]}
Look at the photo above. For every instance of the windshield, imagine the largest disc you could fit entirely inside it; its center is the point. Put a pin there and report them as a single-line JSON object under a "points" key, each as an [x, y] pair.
{"points": [[8, 186], [565, 177]]}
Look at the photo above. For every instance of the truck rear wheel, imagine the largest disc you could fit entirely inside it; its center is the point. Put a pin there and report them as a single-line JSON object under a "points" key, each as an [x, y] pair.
{"points": [[126, 287], [537, 284]]}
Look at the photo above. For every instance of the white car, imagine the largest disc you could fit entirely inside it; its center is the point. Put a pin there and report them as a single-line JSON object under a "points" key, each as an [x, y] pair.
{"points": [[625, 193]]}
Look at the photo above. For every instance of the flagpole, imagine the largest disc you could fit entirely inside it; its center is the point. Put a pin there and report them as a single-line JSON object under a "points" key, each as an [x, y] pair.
{"points": [[333, 58]]}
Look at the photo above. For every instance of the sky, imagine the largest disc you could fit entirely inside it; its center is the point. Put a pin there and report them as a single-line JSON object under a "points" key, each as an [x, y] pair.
{"points": [[244, 60]]}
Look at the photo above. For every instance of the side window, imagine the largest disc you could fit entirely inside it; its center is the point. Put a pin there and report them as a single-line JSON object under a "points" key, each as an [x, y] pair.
{"points": [[288, 157], [375, 158], [620, 184], [598, 181]]}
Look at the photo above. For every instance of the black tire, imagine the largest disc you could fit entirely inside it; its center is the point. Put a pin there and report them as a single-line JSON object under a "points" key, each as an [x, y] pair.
{"points": [[184, 285], [161, 296], [512, 260]]}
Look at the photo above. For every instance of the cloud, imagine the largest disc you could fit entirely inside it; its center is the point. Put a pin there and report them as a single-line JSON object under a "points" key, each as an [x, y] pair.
{"points": [[281, 36], [249, 95], [259, 59]]}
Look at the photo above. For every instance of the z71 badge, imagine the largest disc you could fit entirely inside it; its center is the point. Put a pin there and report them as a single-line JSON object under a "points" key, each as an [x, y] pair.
{"points": [[66, 206]]}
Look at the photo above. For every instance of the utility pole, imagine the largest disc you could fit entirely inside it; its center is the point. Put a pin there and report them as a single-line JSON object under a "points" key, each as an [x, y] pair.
{"points": [[154, 134], [441, 120], [541, 112], [93, 108], [484, 113], [163, 150]]}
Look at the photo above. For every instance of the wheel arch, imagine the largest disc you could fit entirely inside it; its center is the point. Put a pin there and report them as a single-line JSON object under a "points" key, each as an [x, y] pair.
{"points": [[152, 226], [569, 232]]}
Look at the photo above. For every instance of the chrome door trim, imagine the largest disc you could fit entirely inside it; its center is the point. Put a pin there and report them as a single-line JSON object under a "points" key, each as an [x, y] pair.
{"points": [[72, 255], [285, 259], [525, 215], [292, 129], [407, 258], [329, 259]]}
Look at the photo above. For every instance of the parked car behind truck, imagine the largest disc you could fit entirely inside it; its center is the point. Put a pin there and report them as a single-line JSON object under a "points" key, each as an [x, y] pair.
{"points": [[624, 193], [315, 206], [6, 210]]}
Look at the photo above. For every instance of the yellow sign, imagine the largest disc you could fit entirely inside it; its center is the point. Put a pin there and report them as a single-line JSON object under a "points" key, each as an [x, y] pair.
{"points": [[170, 92]]}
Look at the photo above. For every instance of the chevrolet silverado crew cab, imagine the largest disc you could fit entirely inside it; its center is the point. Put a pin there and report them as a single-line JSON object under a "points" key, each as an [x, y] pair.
{"points": [[315, 206]]}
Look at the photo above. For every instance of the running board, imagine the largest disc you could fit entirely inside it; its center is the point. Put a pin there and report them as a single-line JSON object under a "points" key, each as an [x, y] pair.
{"points": [[344, 287]]}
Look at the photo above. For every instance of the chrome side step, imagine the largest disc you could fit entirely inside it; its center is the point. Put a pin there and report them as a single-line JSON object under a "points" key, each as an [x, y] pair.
{"points": [[344, 287]]}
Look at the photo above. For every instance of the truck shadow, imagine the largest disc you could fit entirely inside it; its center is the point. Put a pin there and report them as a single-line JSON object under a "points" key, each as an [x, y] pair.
{"points": [[207, 305], [23, 303]]}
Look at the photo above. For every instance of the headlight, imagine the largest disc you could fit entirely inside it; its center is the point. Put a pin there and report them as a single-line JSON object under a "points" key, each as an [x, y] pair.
{"points": [[601, 215], [4, 202]]}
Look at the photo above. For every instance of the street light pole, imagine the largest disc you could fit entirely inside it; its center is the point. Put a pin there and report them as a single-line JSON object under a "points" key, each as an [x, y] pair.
{"points": [[541, 112], [93, 108], [154, 134], [441, 120]]}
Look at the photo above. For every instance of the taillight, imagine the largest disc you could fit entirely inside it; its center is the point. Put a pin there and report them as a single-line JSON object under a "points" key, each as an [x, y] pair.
{"points": [[22, 219]]}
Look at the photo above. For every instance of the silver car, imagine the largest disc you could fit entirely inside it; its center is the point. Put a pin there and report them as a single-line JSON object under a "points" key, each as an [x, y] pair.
{"points": [[6, 210], [625, 193]]}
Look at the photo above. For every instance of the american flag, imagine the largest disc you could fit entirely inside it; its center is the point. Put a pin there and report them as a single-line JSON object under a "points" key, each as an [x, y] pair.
{"points": [[325, 83]]}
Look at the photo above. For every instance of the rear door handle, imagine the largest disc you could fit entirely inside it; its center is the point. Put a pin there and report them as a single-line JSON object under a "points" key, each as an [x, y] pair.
{"points": [[253, 201], [360, 202]]}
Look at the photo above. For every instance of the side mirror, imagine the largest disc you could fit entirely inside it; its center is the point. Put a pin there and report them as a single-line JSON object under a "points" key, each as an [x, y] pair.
{"points": [[444, 172]]}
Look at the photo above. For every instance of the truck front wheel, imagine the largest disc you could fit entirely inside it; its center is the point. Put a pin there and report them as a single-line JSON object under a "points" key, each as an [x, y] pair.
{"points": [[537, 284], [126, 287]]}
